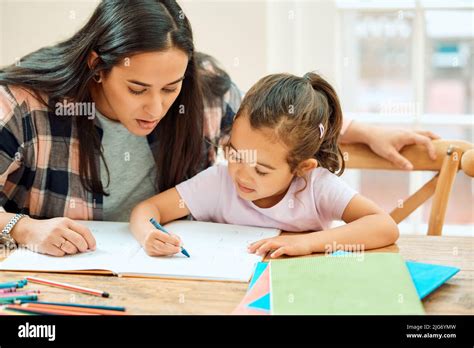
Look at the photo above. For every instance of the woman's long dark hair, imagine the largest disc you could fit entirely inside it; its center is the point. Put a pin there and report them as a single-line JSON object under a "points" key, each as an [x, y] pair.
{"points": [[116, 30]]}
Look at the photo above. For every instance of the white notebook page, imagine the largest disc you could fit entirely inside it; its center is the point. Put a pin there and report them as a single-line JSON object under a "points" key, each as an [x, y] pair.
{"points": [[218, 251]]}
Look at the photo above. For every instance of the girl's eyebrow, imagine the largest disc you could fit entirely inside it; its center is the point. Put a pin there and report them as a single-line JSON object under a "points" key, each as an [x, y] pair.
{"points": [[259, 163], [148, 85]]}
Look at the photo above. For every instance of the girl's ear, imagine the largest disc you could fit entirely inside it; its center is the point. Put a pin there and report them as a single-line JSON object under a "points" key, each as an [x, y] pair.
{"points": [[306, 166]]}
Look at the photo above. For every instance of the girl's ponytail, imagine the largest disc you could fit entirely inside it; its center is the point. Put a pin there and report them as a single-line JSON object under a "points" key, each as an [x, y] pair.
{"points": [[329, 154]]}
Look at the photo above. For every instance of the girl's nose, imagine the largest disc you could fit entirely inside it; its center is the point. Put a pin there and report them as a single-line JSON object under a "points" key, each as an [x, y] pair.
{"points": [[242, 174]]}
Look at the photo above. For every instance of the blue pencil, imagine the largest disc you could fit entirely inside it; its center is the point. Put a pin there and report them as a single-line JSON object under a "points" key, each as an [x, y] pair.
{"points": [[18, 284], [162, 229]]}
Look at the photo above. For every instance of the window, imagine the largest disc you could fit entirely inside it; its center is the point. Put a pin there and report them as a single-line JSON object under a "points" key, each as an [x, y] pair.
{"points": [[410, 64]]}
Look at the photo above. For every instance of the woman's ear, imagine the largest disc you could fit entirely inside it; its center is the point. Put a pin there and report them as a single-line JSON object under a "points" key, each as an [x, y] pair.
{"points": [[306, 166], [92, 59]]}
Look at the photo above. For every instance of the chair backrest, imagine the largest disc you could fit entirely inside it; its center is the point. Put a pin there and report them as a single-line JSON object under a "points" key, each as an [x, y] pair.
{"points": [[452, 155]]}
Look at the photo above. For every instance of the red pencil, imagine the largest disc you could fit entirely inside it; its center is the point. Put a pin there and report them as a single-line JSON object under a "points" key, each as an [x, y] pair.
{"points": [[68, 286]]}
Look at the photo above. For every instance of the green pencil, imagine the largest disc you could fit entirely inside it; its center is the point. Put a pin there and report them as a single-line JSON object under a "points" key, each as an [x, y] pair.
{"points": [[12, 299]]}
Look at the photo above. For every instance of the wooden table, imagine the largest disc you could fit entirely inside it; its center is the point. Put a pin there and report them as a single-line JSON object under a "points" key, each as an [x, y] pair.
{"points": [[165, 296]]}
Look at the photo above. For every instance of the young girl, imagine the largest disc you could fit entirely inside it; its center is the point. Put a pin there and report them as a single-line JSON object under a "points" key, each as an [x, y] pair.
{"points": [[283, 172]]}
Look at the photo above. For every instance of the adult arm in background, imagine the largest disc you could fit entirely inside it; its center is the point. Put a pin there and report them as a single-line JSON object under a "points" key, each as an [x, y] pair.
{"points": [[387, 142]]}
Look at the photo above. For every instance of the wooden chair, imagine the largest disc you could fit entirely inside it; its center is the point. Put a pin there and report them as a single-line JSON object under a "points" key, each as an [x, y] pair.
{"points": [[452, 155]]}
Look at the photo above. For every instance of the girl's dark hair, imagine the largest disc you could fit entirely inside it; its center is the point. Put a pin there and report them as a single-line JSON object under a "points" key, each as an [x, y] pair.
{"points": [[117, 30], [298, 109]]}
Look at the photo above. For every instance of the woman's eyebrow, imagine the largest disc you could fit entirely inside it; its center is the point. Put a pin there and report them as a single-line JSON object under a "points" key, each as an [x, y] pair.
{"points": [[259, 163], [139, 83], [178, 80], [148, 85]]}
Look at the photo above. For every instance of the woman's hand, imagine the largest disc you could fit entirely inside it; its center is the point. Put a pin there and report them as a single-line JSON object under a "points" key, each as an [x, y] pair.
{"points": [[388, 142], [56, 237], [158, 243], [292, 245]]}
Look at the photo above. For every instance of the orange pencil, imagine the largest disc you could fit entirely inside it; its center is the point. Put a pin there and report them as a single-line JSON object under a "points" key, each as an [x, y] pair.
{"points": [[44, 311], [4, 311], [68, 286], [73, 309]]}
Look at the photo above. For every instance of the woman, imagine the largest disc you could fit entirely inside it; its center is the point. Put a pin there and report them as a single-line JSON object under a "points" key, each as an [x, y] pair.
{"points": [[134, 63]]}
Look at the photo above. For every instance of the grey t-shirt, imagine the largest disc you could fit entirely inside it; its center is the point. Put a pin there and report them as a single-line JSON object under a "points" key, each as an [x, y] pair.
{"points": [[132, 170]]}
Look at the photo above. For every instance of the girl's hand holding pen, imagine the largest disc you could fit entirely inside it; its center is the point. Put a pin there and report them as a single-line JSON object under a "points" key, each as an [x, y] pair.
{"points": [[158, 243]]}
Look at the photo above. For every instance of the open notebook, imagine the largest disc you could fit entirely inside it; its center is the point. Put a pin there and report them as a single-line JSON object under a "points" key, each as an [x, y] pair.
{"points": [[218, 252]]}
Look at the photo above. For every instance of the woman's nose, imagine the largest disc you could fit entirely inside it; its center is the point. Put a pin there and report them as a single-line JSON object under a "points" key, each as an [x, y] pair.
{"points": [[154, 107]]}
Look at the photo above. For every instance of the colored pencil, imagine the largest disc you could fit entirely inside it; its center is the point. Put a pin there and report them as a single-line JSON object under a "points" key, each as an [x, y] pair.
{"points": [[5, 311], [3, 291], [18, 284], [68, 286], [19, 293], [15, 298], [44, 311], [162, 229], [71, 309], [112, 308]]}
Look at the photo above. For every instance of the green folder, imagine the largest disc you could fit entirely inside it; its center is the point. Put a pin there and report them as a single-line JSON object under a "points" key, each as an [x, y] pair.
{"points": [[362, 283]]}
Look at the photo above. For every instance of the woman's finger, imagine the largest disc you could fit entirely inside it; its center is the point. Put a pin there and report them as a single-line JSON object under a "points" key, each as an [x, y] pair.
{"points": [[84, 232], [398, 160], [53, 250], [76, 239], [429, 134], [426, 141], [69, 248]]}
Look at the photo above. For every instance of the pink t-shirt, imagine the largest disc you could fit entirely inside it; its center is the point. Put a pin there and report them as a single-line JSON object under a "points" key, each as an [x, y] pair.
{"points": [[211, 196]]}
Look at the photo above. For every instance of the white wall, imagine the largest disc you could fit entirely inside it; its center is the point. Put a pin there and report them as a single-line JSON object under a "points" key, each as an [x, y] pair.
{"points": [[234, 33], [301, 37], [26, 26], [249, 38]]}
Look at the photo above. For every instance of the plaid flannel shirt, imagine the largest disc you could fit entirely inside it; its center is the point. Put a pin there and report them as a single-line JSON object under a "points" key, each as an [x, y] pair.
{"points": [[39, 162]]}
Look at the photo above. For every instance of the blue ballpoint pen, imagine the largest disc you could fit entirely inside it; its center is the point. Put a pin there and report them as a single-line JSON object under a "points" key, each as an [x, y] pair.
{"points": [[162, 229]]}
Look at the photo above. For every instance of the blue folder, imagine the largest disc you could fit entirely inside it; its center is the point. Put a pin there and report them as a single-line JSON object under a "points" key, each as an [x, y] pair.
{"points": [[428, 277]]}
